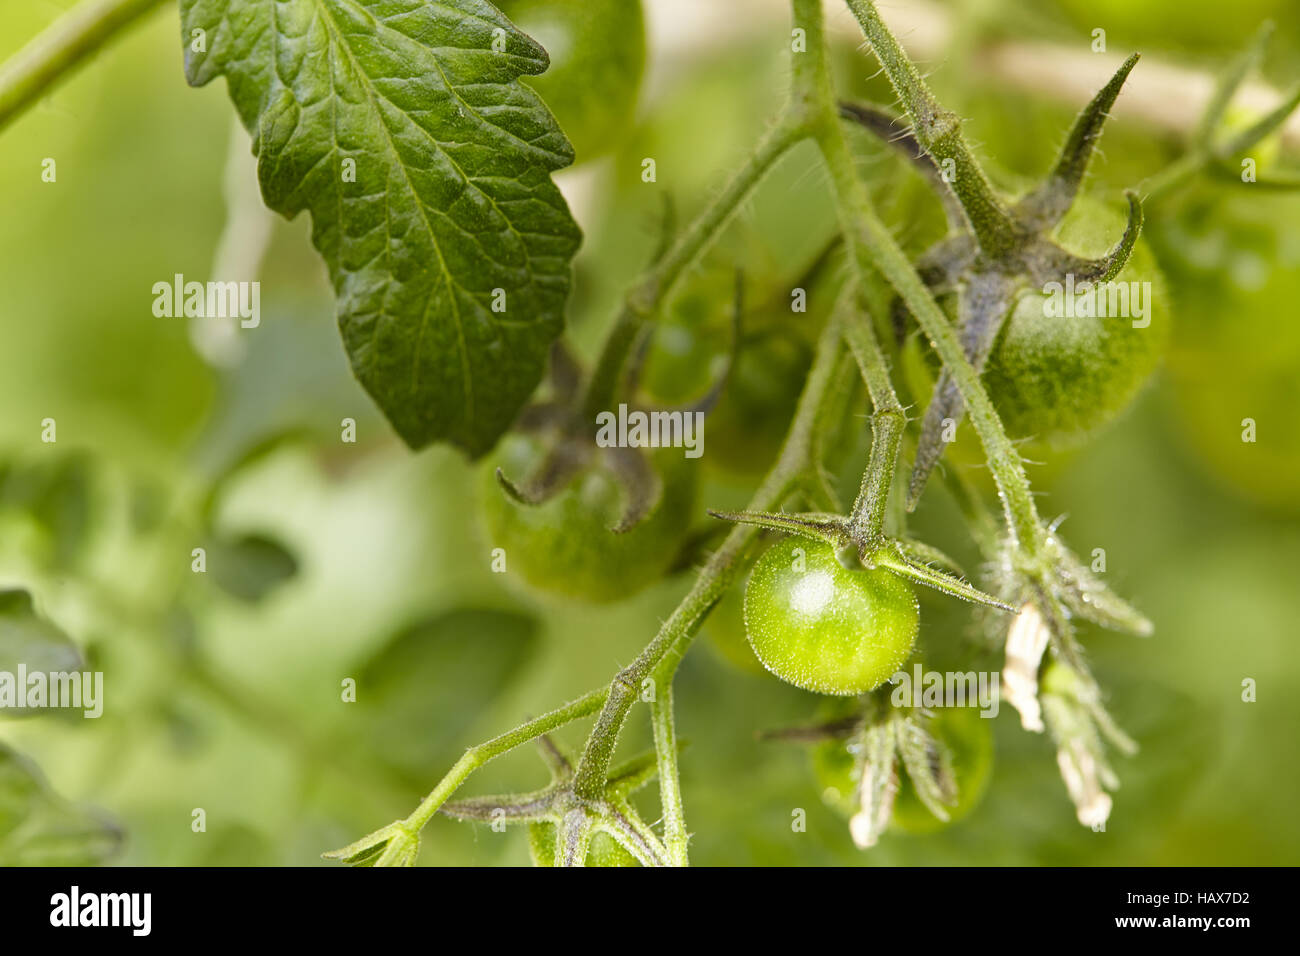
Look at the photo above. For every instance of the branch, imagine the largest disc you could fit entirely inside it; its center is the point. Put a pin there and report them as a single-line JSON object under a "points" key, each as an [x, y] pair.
{"points": [[60, 48], [874, 248], [723, 566]]}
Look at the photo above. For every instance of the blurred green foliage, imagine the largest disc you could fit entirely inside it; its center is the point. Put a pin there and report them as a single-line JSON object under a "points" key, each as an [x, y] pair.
{"points": [[385, 577]]}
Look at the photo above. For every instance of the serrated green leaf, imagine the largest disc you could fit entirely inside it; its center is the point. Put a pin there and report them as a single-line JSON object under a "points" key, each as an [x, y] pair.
{"points": [[452, 210]]}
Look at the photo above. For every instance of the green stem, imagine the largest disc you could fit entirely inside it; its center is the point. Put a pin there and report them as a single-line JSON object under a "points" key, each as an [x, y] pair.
{"points": [[475, 757], [938, 130], [712, 583], [659, 283], [874, 248], [670, 787], [867, 522], [60, 48]]}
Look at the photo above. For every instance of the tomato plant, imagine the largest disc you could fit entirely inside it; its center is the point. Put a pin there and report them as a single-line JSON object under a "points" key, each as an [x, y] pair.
{"points": [[717, 412], [968, 738], [604, 850], [961, 744]]}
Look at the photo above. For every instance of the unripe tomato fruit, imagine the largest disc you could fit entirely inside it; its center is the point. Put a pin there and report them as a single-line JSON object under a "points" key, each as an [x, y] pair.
{"points": [[689, 352], [749, 425], [565, 546], [604, 850], [1058, 379], [969, 738], [826, 628], [597, 51]]}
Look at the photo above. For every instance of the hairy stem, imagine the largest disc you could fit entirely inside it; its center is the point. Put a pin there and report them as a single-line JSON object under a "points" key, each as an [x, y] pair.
{"points": [[60, 48], [475, 757], [658, 284], [867, 522], [874, 248], [670, 787], [716, 577], [938, 130]]}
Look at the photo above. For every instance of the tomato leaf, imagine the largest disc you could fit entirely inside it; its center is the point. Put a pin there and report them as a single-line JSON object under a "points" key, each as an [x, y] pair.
{"points": [[402, 127]]}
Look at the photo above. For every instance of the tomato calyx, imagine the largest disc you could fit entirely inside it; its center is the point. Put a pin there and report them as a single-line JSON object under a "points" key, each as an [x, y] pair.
{"points": [[883, 741], [577, 820], [903, 556], [988, 277], [572, 450]]}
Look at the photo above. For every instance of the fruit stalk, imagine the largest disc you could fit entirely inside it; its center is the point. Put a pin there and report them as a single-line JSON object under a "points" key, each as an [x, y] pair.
{"points": [[655, 287], [874, 249], [867, 522]]}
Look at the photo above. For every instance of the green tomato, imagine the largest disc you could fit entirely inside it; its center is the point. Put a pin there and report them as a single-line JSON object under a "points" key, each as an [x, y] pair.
{"points": [[604, 850], [744, 431], [826, 628], [597, 50], [1058, 379], [969, 739], [564, 546], [689, 352], [690, 344], [833, 768]]}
